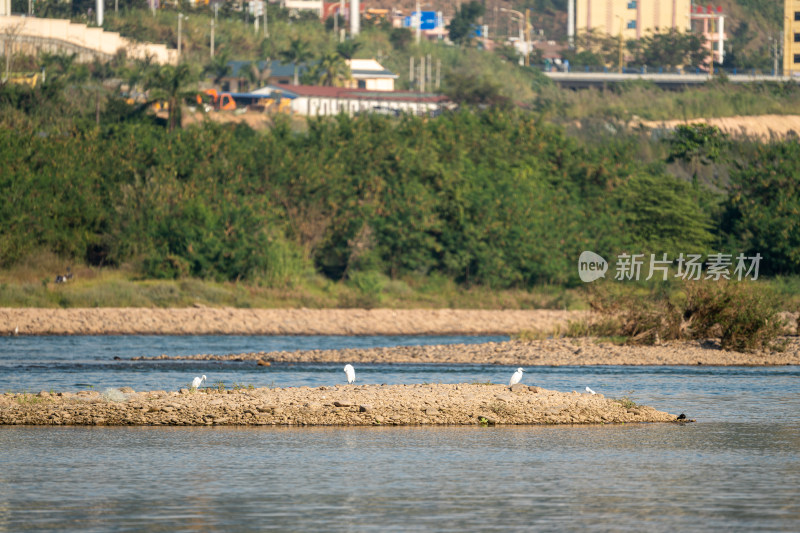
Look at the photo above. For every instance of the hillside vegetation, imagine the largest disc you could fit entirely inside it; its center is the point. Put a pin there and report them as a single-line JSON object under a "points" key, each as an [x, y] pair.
{"points": [[344, 210]]}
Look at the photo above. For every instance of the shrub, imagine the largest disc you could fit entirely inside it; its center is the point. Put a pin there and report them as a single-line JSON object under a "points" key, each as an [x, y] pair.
{"points": [[743, 315]]}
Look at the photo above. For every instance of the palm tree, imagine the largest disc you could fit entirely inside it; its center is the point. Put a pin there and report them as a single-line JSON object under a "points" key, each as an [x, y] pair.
{"points": [[171, 83], [348, 49], [218, 67], [332, 70], [299, 51]]}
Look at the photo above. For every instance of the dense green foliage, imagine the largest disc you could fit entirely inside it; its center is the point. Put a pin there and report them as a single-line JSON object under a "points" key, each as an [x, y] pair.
{"points": [[498, 198], [462, 27]]}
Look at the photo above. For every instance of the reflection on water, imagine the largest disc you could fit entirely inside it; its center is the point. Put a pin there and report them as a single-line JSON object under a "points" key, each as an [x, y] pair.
{"points": [[738, 468], [646, 477]]}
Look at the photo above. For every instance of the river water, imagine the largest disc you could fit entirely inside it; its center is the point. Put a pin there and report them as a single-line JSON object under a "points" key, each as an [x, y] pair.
{"points": [[737, 468]]}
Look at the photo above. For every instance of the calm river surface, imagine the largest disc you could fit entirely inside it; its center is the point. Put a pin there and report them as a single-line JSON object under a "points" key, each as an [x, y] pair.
{"points": [[737, 468]]}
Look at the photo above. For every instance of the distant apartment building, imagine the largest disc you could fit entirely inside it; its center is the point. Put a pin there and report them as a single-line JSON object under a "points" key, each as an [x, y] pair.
{"points": [[633, 19], [709, 22], [791, 38]]}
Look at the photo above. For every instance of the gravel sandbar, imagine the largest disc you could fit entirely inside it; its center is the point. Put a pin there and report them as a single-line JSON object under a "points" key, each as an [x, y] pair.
{"points": [[343, 405]]}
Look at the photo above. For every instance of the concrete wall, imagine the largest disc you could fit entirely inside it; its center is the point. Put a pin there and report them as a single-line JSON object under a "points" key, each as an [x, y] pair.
{"points": [[321, 106], [372, 84], [27, 33]]}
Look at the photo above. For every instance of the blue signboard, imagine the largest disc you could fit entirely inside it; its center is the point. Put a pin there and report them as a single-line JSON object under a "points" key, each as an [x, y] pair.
{"points": [[430, 20]]}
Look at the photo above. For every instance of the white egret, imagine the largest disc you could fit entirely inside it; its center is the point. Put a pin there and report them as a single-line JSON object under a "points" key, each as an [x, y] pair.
{"points": [[350, 372], [196, 382], [16, 330], [590, 391], [516, 377]]}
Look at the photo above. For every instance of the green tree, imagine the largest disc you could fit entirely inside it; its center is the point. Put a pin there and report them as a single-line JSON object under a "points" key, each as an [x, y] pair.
{"points": [[462, 25], [171, 84], [348, 49], [474, 90], [400, 38], [219, 66], [299, 52], [331, 71], [671, 49], [763, 207]]}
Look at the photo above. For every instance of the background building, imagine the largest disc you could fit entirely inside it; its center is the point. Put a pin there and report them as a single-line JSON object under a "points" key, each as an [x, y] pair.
{"points": [[633, 18], [791, 37]]}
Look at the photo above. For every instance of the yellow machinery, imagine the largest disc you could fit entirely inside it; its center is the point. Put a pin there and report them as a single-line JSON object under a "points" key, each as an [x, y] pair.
{"points": [[31, 79]]}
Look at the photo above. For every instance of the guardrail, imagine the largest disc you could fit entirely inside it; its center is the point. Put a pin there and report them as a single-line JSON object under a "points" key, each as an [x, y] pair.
{"points": [[579, 79]]}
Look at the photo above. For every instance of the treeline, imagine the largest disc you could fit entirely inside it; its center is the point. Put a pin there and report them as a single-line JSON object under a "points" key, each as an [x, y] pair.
{"points": [[496, 198]]}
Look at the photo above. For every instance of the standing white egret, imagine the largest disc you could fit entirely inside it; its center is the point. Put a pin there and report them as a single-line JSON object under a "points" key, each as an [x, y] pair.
{"points": [[590, 391], [516, 377], [350, 372], [16, 330], [196, 382]]}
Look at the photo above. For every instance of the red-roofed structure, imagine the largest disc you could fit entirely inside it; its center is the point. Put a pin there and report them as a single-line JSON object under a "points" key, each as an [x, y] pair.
{"points": [[314, 100]]}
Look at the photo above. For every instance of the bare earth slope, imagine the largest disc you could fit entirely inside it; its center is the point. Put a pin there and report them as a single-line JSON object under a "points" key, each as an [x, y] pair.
{"points": [[764, 127]]}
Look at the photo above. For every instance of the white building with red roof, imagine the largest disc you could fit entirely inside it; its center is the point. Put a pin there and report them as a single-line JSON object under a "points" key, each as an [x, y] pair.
{"points": [[314, 101]]}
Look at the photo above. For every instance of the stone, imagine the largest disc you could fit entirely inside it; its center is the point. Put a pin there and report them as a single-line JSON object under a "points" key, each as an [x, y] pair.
{"points": [[342, 403], [519, 387], [365, 408]]}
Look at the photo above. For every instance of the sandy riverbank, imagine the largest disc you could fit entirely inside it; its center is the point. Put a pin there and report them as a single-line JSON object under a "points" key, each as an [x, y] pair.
{"points": [[234, 321], [365, 405], [548, 352]]}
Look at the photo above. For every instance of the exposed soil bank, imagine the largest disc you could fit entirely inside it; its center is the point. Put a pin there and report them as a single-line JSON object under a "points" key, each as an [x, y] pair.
{"points": [[549, 352], [234, 321], [367, 405]]}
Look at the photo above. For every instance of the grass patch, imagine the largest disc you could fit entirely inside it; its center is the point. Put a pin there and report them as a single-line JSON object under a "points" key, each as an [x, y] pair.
{"points": [[500, 408], [29, 399], [626, 402], [123, 287]]}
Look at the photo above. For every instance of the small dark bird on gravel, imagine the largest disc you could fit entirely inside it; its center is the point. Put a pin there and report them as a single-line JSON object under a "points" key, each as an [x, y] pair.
{"points": [[681, 416]]}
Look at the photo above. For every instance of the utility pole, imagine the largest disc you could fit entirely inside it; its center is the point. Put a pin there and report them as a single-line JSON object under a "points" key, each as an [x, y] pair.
{"points": [[620, 45], [422, 74], [212, 38], [775, 59], [418, 23], [528, 46], [341, 14], [180, 21], [430, 68]]}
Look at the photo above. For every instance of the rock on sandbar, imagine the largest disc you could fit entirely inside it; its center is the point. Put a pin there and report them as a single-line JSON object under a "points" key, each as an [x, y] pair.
{"points": [[361, 405]]}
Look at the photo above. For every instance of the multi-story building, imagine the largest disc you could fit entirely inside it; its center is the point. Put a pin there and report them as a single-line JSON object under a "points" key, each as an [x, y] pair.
{"points": [[633, 19], [709, 22], [791, 37]]}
